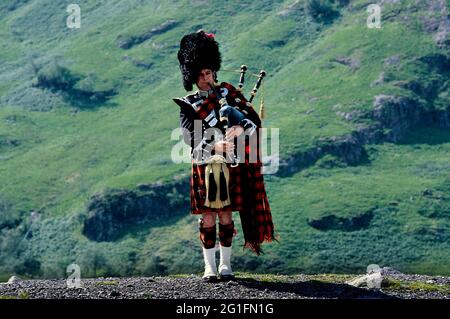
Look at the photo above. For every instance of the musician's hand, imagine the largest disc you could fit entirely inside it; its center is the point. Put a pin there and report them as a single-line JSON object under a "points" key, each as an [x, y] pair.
{"points": [[223, 146], [233, 131]]}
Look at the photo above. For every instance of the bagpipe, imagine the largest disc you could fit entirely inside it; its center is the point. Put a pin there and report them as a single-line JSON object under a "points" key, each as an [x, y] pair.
{"points": [[229, 115]]}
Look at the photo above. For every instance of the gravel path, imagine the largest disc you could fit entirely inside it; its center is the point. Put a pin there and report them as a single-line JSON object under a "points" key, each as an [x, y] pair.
{"points": [[245, 286]]}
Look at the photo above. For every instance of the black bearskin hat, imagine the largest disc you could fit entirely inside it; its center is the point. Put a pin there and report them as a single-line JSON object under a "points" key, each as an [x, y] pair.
{"points": [[198, 51]]}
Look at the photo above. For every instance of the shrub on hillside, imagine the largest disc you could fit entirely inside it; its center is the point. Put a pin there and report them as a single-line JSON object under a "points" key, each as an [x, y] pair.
{"points": [[55, 76], [77, 89], [322, 10]]}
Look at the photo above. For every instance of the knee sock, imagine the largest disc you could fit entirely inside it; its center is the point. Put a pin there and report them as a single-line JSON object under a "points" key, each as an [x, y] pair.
{"points": [[208, 236], [226, 234]]}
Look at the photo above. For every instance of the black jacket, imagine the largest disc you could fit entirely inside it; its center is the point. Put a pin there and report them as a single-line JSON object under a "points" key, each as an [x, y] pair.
{"points": [[201, 146]]}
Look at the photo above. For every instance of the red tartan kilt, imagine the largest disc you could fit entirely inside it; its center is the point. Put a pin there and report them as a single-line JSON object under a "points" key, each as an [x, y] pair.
{"points": [[198, 190]]}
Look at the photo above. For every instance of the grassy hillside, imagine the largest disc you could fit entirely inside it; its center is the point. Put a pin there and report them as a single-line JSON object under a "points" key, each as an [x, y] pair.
{"points": [[81, 115]]}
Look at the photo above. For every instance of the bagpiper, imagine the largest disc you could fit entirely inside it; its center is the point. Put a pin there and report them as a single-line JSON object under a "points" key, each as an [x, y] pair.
{"points": [[221, 181]]}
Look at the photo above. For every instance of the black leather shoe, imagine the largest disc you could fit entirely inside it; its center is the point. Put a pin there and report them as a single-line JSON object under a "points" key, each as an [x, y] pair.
{"points": [[210, 279], [226, 277]]}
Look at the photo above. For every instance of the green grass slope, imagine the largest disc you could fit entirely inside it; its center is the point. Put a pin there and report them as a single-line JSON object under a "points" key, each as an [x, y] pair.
{"points": [[61, 144]]}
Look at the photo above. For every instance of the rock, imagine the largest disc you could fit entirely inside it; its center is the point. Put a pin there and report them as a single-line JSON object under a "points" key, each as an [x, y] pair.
{"points": [[292, 9], [231, 283], [374, 280], [436, 21], [112, 211], [398, 114], [14, 280], [348, 116], [441, 37], [378, 81], [391, 61], [349, 148], [395, 117], [386, 271], [352, 62], [358, 281]]}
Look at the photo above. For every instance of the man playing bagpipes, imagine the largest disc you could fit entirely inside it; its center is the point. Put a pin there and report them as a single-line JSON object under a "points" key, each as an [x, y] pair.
{"points": [[221, 184]]}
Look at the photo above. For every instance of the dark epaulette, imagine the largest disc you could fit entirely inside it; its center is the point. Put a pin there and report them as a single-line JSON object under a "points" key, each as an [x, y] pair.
{"points": [[189, 101], [194, 100]]}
